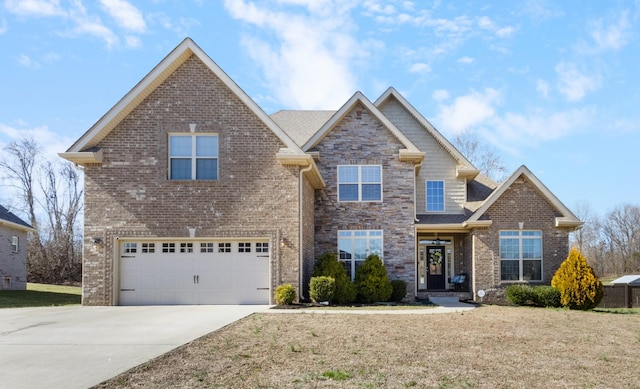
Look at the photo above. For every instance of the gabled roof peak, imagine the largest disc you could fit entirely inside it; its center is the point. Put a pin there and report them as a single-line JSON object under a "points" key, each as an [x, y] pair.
{"points": [[155, 78], [568, 218], [359, 98], [392, 93]]}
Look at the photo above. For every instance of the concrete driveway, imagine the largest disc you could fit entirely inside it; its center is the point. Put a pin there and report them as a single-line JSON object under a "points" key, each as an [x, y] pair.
{"points": [[78, 347]]}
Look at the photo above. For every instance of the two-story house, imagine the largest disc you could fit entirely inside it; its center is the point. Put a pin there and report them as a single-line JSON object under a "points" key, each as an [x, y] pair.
{"points": [[194, 195]]}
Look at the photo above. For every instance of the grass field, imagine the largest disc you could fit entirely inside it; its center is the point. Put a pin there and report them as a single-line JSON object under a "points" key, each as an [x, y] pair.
{"points": [[489, 347], [40, 295]]}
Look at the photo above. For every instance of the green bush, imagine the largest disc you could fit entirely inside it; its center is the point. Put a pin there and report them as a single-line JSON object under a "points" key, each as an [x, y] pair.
{"points": [[399, 288], [519, 294], [578, 285], [285, 294], [539, 296], [546, 296], [322, 288], [327, 265], [372, 282]]}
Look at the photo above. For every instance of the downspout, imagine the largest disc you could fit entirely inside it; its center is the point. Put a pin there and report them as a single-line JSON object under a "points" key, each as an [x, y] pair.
{"points": [[415, 229], [300, 231], [415, 197]]}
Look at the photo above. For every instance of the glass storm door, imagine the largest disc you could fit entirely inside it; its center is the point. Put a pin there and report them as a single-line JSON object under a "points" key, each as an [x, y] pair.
{"points": [[435, 262]]}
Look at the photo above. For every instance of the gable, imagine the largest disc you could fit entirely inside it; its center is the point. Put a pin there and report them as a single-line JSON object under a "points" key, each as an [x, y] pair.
{"points": [[520, 194], [420, 131], [82, 151], [407, 152]]}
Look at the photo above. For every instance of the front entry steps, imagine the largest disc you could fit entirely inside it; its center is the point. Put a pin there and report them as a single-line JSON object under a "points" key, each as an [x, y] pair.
{"points": [[445, 294]]}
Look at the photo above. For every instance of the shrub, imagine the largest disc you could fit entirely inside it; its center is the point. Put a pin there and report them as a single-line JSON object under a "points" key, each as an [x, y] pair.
{"points": [[327, 265], [285, 294], [372, 282], [399, 290], [519, 294], [546, 296], [578, 285], [322, 288], [539, 296]]}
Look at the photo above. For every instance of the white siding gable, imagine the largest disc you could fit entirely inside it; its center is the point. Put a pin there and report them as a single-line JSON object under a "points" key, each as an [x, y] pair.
{"points": [[438, 163]]}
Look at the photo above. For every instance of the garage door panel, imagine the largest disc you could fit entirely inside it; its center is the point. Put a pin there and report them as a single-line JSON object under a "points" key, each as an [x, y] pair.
{"points": [[192, 276]]}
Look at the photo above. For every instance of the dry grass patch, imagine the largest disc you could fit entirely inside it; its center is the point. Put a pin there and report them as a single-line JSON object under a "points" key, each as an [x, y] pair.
{"points": [[490, 347]]}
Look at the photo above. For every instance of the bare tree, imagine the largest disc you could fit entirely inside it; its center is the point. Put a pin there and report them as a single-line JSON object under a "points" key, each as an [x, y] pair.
{"points": [[622, 230], [50, 192], [481, 155]]}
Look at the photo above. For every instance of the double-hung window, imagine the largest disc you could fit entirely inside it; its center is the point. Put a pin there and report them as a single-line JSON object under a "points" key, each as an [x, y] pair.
{"points": [[359, 183], [193, 157], [14, 244], [521, 255], [435, 196], [354, 246]]}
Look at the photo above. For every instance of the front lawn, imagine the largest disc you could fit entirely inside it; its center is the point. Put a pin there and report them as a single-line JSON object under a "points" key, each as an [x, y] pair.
{"points": [[489, 347], [41, 295]]}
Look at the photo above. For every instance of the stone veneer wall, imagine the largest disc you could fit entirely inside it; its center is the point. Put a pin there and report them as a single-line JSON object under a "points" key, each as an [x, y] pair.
{"points": [[361, 139], [522, 202], [129, 195]]}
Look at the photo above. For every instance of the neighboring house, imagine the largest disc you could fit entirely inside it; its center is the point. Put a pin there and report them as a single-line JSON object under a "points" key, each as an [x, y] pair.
{"points": [[13, 251], [194, 195]]}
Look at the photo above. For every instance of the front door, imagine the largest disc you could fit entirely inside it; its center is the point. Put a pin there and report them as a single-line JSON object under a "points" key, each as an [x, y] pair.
{"points": [[435, 267]]}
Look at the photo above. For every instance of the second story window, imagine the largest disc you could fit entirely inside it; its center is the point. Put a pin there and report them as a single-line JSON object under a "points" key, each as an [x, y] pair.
{"points": [[359, 183], [435, 196], [193, 157]]}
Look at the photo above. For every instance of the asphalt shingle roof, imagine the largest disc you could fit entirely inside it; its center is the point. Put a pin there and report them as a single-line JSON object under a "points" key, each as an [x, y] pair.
{"points": [[5, 214], [301, 125]]}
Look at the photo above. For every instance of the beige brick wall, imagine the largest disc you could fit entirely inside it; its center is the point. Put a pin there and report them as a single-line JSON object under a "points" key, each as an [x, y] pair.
{"points": [[129, 194], [522, 202], [361, 139], [13, 265]]}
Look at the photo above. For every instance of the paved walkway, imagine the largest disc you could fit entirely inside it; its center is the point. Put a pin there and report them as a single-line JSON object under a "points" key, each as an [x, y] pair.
{"points": [[444, 305]]}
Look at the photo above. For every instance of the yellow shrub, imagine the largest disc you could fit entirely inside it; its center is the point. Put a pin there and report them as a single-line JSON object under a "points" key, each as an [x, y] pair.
{"points": [[578, 285]]}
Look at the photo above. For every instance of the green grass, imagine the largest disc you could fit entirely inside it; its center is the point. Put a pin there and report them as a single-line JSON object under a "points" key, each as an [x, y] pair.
{"points": [[41, 295]]}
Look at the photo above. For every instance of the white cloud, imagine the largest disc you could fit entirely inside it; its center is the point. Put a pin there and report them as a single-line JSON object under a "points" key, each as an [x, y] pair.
{"points": [[465, 59], [133, 41], [542, 87], [514, 129], [125, 14], [90, 25], [420, 68], [51, 143], [468, 111], [309, 65], [26, 61], [610, 36], [574, 84], [35, 7], [3, 27], [440, 95]]}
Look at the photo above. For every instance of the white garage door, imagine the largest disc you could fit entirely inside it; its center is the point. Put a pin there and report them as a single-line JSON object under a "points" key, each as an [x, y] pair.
{"points": [[194, 272]]}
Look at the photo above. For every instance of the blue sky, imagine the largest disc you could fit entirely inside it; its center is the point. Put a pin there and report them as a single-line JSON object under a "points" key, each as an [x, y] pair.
{"points": [[551, 85]]}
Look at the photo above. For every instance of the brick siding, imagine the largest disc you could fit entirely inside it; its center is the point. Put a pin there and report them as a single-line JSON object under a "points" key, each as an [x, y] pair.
{"points": [[129, 195], [522, 202]]}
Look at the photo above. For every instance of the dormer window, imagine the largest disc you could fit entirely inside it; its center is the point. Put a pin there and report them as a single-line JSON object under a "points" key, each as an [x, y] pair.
{"points": [[435, 196], [193, 157]]}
